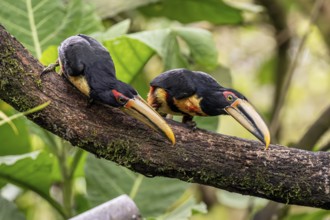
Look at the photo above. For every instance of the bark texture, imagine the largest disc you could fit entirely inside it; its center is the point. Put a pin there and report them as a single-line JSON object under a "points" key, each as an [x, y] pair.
{"points": [[282, 174]]}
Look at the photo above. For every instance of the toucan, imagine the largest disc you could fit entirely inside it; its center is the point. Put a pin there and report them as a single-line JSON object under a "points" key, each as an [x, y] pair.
{"points": [[194, 93], [89, 67]]}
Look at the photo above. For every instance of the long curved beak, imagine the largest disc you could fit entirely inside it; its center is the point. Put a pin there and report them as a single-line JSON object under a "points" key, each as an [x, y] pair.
{"points": [[140, 109], [248, 117]]}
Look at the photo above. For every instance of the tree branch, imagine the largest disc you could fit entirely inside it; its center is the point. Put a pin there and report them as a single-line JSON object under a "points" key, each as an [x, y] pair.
{"points": [[278, 18], [274, 125], [281, 174]]}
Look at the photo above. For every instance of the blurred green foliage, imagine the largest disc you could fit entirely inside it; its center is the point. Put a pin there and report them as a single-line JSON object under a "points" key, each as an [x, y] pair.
{"points": [[71, 182], [187, 11], [9, 210], [153, 195]]}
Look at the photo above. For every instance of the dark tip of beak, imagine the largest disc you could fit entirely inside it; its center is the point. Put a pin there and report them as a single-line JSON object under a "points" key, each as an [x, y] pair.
{"points": [[247, 116]]}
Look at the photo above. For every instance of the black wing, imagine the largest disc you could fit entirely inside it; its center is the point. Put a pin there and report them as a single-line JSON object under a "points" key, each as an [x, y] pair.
{"points": [[80, 53], [176, 82]]}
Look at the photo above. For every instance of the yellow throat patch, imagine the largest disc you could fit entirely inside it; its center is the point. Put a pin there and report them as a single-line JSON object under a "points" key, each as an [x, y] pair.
{"points": [[190, 105], [80, 83]]}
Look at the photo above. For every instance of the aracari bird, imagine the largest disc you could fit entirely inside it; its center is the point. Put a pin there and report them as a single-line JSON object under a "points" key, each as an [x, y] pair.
{"points": [[192, 93], [89, 67]]}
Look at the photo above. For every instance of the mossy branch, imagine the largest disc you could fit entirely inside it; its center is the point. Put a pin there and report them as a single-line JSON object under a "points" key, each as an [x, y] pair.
{"points": [[281, 174]]}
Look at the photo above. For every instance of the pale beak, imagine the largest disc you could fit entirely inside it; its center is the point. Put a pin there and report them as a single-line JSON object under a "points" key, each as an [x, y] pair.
{"points": [[248, 117], [141, 110]]}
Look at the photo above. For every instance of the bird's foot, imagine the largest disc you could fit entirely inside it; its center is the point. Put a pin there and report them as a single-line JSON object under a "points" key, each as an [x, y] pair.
{"points": [[192, 125], [90, 102], [50, 68], [169, 116], [187, 120]]}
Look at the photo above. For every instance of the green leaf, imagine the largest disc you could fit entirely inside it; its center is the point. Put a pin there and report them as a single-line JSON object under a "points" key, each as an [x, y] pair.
{"points": [[187, 11], [14, 143], [30, 171], [223, 76], [164, 42], [153, 196], [110, 8], [116, 30], [173, 57], [129, 56], [155, 39], [8, 210], [49, 55], [40, 24], [318, 214], [184, 211], [201, 46], [141, 84]]}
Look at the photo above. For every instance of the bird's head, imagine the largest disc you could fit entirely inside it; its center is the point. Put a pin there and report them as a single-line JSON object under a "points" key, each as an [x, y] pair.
{"points": [[236, 105], [129, 101]]}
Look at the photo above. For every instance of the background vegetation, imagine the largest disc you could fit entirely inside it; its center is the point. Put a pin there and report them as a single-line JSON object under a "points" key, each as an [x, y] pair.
{"points": [[274, 52]]}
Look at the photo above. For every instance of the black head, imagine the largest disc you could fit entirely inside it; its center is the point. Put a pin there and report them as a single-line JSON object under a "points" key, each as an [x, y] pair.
{"points": [[118, 96], [231, 102], [214, 103]]}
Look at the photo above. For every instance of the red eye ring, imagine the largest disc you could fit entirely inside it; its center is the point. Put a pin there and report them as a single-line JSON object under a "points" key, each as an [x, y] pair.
{"points": [[230, 97], [119, 97]]}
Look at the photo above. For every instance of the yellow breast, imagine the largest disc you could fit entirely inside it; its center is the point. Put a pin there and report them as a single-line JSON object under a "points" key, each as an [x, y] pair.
{"points": [[80, 83], [190, 105]]}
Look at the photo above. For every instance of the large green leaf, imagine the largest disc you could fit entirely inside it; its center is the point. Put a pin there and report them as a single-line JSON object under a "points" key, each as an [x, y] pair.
{"points": [[186, 11], [12, 126], [222, 75], [110, 8], [153, 196], [49, 55], [30, 171], [165, 43], [39, 24], [201, 46], [14, 143], [141, 84], [116, 30], [129, 56], [8, 210], [173, 57]]}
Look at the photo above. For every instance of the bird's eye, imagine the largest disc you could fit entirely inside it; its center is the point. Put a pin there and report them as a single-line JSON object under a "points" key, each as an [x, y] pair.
{"points": [[121, 100], [230, 98]]}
